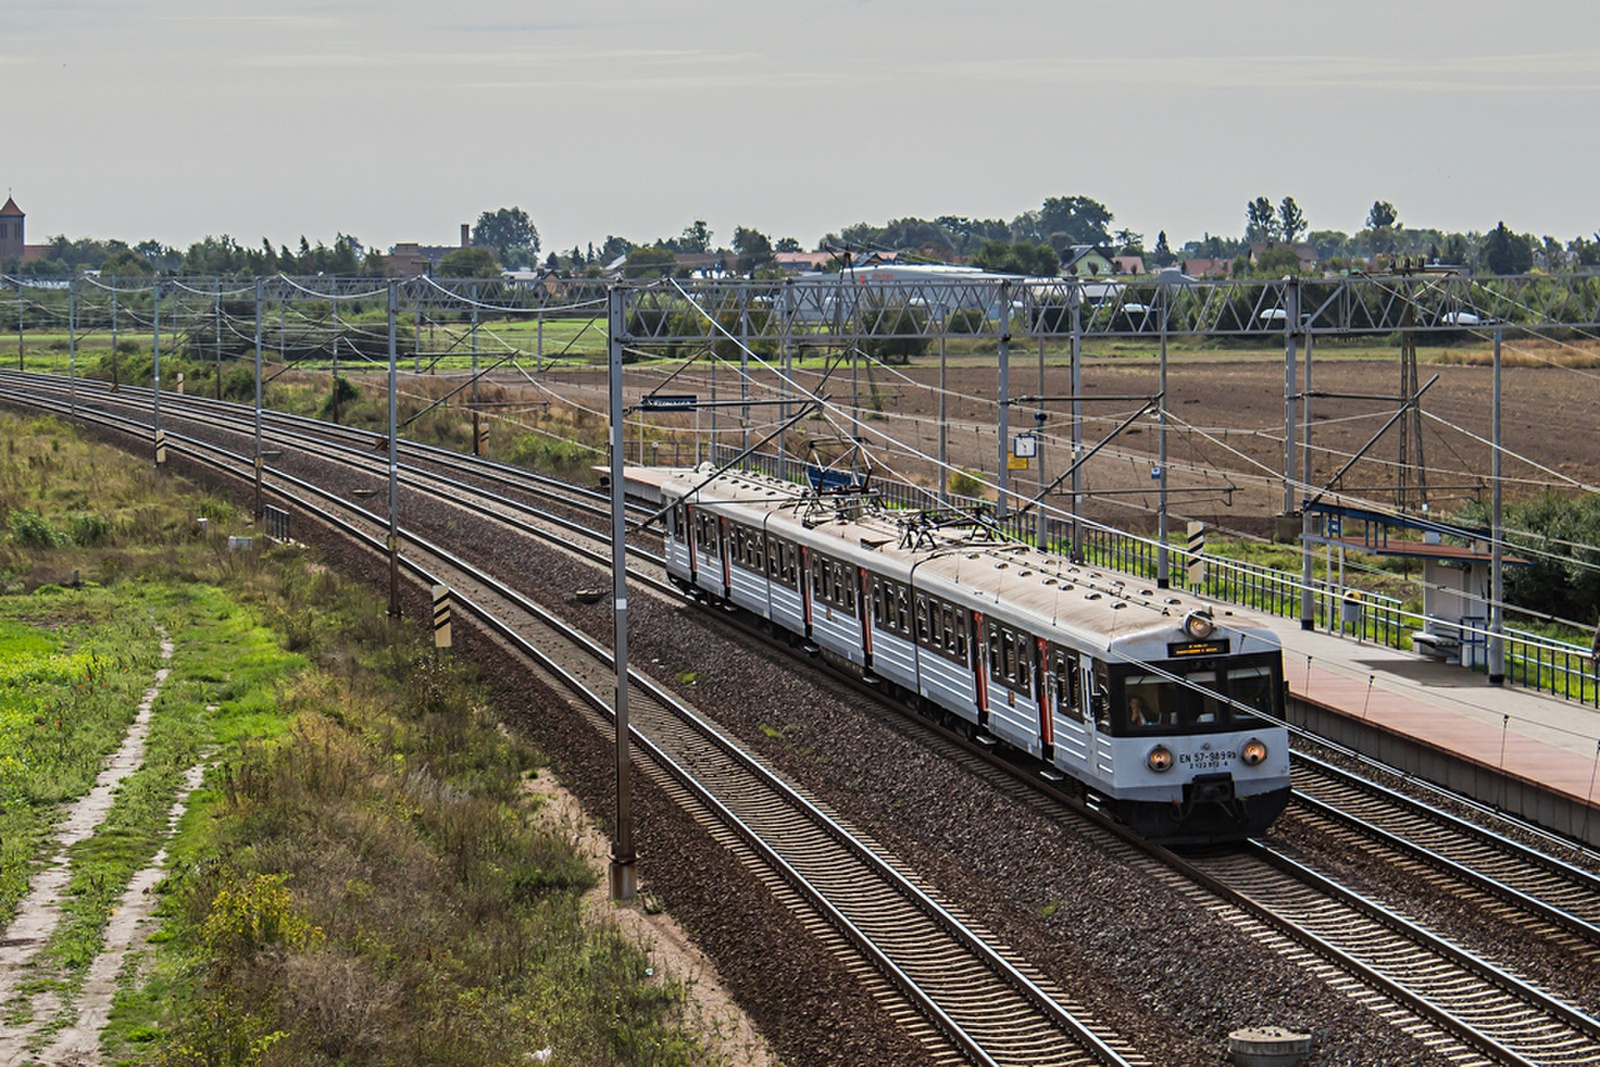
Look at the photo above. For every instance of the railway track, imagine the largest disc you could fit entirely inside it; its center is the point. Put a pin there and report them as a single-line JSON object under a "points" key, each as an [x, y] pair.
{"points": [[1524, 884], [966, 995], [1469, 1009], [1489, 1015]]}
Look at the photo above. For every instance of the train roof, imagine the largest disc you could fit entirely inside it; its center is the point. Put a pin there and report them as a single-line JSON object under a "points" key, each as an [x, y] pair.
{"points": [[951, 553]]}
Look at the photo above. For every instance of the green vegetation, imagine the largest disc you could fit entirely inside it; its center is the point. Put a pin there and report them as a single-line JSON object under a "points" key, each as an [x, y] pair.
{"points": [[363, 878], [1558, 535]]}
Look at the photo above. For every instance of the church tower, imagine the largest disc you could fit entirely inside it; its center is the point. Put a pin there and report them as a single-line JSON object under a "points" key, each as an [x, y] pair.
{"points": [[11, 240]]}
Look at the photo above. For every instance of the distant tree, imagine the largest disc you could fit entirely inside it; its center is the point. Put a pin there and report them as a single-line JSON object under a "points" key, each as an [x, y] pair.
{"points": [[1277, 262], [1382, 216], [552, 262], [125, 261], [1554, 254], [469, 263], [1291, 220], [1504, 252], [695, 238], [1455, 250], [1064, 221], [1161, 255], [754, 248], [614, 248], [649, 262], [1019, 258], [1586, 253], [787, 244], [510, 234], [1261, 221], [1129, 243], [967, 234]]}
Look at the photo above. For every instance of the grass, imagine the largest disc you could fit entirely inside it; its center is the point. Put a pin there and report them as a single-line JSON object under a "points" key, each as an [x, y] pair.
{"points": [[72, 668], [364, 877]]}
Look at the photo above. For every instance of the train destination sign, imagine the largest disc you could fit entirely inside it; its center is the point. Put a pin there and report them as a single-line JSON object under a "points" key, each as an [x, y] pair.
{"points": [[1198, 648]]}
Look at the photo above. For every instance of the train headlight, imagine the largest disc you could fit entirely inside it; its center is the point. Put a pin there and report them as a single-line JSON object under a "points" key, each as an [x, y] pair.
{"points": [[1160, 759], [1253, 752], [1199, 625]]}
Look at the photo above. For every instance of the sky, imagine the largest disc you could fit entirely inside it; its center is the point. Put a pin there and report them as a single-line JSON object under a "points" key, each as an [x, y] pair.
{"points": [[398, 121]]}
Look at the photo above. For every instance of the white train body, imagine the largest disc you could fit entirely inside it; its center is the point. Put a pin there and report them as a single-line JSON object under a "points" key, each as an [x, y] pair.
{"points": [[999, 639]]}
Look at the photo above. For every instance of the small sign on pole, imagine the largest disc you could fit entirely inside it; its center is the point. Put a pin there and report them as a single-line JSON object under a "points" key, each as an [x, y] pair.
{"points": [[1197, 548], [1025, 446], [669, 402], [441, 616]]}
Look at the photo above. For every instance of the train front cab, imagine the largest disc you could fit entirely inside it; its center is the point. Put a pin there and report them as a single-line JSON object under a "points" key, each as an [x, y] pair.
{"points": [[1184, 763]]}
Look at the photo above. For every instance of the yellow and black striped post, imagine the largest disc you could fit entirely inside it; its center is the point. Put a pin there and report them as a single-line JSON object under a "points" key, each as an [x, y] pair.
{"points": [[1197, 548], [161, 447], [441, 616]]}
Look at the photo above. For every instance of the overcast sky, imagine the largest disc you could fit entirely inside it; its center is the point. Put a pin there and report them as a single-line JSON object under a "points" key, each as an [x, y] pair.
{"points": [[400, 120]]}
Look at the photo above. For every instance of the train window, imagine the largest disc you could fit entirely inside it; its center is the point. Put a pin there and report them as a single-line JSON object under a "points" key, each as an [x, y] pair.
{"points": [[1025, 658], [1064, 667], [1100, 696], [1149, 701], [1205, 703], [1008, 657], [1252, 686], [902, 608], [924, 634], [707, 534]]}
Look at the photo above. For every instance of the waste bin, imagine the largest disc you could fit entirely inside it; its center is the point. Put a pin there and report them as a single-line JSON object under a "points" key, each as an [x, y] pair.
{"points": [[1350, 610]]}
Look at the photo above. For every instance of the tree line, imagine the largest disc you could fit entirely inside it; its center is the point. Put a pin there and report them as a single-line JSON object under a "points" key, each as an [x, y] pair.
{"points": [[1035, 242]]}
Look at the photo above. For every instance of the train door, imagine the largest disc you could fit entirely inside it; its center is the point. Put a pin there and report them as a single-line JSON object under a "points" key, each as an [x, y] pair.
{"points": [[689, 512], [727, 554], [1041, 675], [1065, 690], [980, 665], [805, 587], [864, 609]]}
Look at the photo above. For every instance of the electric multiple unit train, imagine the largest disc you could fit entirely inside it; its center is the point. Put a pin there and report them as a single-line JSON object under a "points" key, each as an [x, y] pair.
{"points": [[1166, 711]]}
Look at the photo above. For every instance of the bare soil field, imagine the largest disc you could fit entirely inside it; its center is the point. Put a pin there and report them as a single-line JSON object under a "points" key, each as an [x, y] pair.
{"points": [[1225, 443]]}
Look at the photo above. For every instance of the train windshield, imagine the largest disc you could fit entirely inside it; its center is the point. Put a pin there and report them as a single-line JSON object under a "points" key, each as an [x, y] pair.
{"points": [[1211, 697]]}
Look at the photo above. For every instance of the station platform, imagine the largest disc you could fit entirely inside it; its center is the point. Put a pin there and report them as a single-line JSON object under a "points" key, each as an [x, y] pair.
{"points": [[1530, 754]]}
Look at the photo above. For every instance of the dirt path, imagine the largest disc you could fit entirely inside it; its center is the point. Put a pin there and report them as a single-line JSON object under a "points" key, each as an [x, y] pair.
{"points": [[40, 911], [710, 1011]]}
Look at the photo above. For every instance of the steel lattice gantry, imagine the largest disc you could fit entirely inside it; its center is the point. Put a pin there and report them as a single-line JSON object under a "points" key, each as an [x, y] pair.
{"points": [[840, 308]]}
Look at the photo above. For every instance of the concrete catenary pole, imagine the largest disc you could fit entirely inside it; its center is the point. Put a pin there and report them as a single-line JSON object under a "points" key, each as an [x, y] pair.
{"points": [[1497, 583], [623, 874]]}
